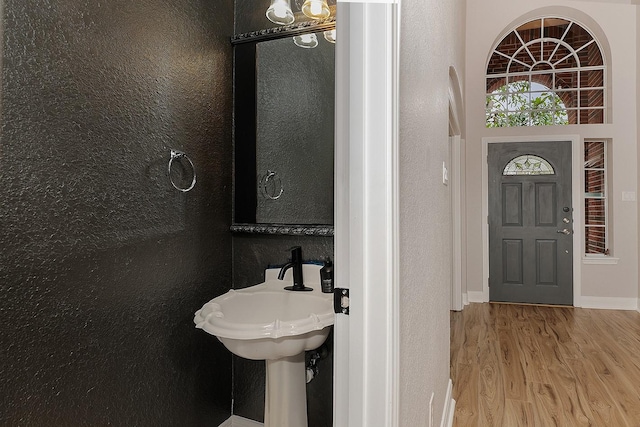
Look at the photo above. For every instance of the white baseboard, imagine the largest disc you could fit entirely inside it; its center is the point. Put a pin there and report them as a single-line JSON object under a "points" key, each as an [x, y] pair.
{"points": [[449, 407], [604, 303], [475, 296], [608, 303], [236, 421]]}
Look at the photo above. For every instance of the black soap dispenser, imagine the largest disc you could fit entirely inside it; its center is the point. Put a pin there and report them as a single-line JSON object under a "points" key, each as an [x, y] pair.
{"points": [[326, 277]]}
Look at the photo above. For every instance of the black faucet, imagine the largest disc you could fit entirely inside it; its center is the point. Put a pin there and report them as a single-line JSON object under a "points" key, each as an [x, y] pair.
{"points": [[296, 263]]}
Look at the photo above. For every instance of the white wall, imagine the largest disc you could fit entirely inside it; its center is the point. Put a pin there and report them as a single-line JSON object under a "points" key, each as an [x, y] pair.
{"points": [[486, 23], [432, 39], [637, 127]]}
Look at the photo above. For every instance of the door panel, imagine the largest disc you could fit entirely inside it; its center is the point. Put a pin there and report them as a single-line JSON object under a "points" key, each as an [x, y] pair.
{"points": [[546, 203], [530, 258], [512, 208], [512, 261], [547, 268]]}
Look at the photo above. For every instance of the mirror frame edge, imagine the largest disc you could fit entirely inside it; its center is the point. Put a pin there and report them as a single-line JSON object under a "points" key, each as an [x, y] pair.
{"points": [[244, 155]]}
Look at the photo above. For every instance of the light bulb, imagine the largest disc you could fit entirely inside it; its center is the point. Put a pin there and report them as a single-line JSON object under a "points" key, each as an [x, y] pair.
{"points": [[307, 41], [330, 36], [280, 12], [316, 9]]}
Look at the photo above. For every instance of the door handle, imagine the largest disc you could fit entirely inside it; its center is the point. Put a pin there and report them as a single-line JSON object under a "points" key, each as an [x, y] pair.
{"points": [[565, 231]]}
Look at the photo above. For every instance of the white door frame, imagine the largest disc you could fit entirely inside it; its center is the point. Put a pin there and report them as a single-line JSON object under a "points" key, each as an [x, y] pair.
{"points": [[366, 214], [458, 235], [576, 197], [457, 193]]}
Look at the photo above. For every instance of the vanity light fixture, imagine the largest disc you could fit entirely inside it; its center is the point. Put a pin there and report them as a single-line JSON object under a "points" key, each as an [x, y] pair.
{"points": [[280, 12], [330, 36], [307, 41], [316, 9]]}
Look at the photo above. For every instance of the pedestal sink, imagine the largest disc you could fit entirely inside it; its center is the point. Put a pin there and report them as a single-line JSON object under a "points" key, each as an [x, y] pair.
{"points": [[266, 322]]}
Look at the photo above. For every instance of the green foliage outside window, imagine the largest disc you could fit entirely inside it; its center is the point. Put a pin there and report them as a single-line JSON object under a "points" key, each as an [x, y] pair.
{"points": [[515, 104]]}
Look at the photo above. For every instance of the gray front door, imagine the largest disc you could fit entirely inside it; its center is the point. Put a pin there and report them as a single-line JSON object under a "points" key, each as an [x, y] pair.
{"points": [[530, 223]]}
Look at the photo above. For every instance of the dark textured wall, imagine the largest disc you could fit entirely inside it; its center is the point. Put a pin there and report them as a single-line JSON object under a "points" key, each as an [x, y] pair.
{"points": [[103, 263], [252, 254]]}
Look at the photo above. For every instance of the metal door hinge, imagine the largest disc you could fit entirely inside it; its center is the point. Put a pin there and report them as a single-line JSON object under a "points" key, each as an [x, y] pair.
{"points": [[341, 301]]}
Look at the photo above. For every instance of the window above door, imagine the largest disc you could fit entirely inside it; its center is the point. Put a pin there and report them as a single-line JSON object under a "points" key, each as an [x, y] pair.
{"points": [[548, 71]]}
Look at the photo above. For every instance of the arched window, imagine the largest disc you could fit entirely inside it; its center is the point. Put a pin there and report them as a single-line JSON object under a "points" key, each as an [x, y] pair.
{"points": [[549, 71], [528, 164]]}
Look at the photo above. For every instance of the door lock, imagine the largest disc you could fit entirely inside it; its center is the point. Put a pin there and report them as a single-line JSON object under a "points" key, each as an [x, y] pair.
{"points": [[565, 231]]}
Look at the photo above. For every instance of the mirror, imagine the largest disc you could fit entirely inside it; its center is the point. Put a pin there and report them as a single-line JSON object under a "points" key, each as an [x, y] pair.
{"points": [[284, 131], [294, 132]]}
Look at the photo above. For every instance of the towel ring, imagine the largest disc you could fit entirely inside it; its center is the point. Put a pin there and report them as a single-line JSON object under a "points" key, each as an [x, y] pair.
{"points": [[276, 181], [176, 154]]}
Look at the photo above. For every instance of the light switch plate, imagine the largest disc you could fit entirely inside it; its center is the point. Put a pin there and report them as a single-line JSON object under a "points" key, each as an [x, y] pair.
{"points": [[445, 174], [628, 196]]}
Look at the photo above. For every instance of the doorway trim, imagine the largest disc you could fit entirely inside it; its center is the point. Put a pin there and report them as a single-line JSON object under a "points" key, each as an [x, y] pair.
{"points": [[367, 341], [457, 192], [576, 192], [458, 230]]}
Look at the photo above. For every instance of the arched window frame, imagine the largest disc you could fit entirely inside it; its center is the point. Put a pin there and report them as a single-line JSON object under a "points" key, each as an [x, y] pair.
{"points": [[537, 60]]}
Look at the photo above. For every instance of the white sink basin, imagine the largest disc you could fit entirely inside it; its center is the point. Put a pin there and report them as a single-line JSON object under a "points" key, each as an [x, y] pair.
{"points": [[267, 322]]}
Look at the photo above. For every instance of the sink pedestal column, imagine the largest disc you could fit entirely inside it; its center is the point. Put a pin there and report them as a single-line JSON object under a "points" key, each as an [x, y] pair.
{"points": [[286, 392]]}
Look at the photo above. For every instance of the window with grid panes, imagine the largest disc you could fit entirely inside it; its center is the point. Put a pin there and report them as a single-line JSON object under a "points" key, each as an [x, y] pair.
{"points": [[549, 71], [595, 197]]}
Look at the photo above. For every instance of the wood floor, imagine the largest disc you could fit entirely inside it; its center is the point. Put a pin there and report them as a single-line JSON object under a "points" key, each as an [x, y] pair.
{"points": [[520, 365]]}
